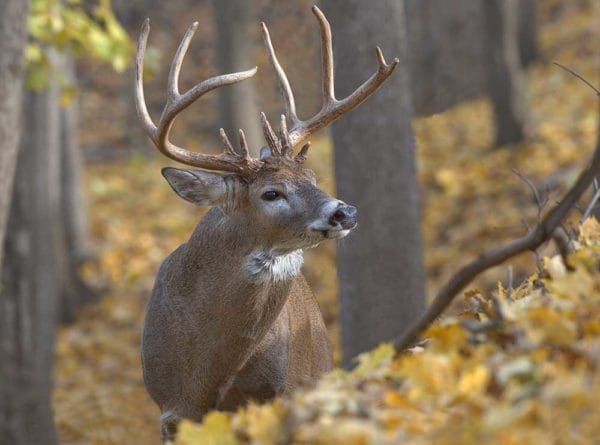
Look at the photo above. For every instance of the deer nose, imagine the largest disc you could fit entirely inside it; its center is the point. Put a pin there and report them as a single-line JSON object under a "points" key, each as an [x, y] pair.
{"points": [[345, 216]]}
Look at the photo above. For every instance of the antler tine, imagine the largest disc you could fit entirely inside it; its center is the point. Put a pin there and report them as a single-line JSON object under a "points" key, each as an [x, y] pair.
{"points": [[331, 108], [284, 84], [226, 142], [244, 153], [286, 146], [229, 160], [272, 139], [173, 82], [326, 56], [301, 156], [140, 101]]}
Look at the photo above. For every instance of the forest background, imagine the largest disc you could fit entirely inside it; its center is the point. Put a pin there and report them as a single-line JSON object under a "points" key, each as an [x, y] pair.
{"points": [[470, 199]]}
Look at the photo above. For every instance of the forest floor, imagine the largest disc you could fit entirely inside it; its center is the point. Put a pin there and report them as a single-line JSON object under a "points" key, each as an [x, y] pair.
{"points": [[471, 200]]}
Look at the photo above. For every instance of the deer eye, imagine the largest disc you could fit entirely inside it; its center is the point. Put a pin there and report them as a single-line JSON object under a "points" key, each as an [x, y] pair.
{"points": [[271, 195]]}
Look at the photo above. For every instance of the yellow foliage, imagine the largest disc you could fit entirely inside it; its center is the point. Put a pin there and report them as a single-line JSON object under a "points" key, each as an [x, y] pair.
{"points": [[589, 233], [531, 379], [215, 430], [264, 425]]}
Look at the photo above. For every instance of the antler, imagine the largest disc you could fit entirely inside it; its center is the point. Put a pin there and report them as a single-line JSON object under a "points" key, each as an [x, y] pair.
{"points": [[332, 108], [229, 160]]}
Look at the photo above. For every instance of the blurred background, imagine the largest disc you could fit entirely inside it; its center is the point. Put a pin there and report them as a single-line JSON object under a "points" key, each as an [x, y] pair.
{"points": [[429, 161]]}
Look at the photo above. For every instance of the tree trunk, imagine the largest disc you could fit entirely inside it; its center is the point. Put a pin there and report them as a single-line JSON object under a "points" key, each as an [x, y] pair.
{"points": [[444, 37], [506, 81], [237, 103], [13, 32], [28, 307], [74, 244], [528, 27], [380, 266]]}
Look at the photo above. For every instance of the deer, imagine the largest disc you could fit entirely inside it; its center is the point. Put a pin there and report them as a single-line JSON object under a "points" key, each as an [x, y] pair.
{"points": [[231, 319]]}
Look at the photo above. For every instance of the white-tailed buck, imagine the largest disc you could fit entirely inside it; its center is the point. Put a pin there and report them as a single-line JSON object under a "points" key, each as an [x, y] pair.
{"points": [[231, 317]]}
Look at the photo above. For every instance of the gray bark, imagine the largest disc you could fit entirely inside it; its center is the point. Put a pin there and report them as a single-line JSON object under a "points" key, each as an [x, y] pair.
{"points": [[28, 307], [380, 265], [506, 79], [444, 38], [237, 103], [528, 27], [73, 247], [13, 31], [45, 243]]}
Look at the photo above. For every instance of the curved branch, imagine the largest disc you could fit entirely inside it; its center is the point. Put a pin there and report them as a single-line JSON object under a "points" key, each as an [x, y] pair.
{"points": [[542, 232]]}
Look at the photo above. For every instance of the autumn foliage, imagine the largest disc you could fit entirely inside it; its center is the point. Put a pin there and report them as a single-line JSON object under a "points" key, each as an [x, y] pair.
{"points": [[516, 359]]}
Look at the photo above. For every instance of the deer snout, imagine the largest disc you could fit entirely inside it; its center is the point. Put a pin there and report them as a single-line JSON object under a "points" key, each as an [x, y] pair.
{"points": [[344, 216], [335, 220]]}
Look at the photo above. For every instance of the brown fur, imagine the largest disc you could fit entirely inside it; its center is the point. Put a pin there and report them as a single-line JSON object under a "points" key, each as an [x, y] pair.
{"points": [[215, 337]]}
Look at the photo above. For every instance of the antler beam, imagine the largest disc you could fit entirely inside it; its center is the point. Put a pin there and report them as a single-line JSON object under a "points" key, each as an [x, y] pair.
{"points": [[332, 108], [229, 160]]}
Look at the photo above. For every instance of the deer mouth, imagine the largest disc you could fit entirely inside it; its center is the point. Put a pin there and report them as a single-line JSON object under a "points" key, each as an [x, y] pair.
{"points": [[336, 233], [333, 233]]}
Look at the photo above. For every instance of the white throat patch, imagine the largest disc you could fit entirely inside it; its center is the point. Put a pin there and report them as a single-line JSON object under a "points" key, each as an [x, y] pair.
{"points": [[265, 266]]}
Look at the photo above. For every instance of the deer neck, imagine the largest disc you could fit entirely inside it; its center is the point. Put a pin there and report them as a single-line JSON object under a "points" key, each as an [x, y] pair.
{"points": [[229, 250]]}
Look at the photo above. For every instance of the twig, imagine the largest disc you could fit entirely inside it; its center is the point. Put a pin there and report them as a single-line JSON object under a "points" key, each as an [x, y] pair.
{"points": [[541, 202], [564, 244], [592, 205], [579, 76], [510, 280], [542, 232]]}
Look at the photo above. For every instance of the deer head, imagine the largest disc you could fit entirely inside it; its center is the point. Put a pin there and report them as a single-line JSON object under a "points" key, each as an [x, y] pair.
{"points": [[275, 194]]}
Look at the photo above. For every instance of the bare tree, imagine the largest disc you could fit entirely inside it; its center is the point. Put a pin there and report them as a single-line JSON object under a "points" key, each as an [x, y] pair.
{"points": [[31, 278], [237, 104], [73, 247], [380, 267], [13, 31], [528, 28], [46, 241], [506, 82], [444, 37]]}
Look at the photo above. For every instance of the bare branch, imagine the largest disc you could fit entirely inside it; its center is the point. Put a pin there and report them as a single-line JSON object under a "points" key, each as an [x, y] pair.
{"points": [[579, 76], [564, 244], [540, 202], [591, 206], [541, 233]]}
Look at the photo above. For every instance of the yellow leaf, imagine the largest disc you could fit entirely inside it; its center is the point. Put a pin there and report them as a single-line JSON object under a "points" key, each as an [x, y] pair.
{"points": [[369, 361], [396, 399], [589, 232], [550, 325], [474, 381], [555, 266], [264, 424], [214, 430]]}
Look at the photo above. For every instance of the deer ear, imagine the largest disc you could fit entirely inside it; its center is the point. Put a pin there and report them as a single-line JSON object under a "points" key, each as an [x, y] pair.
{"points": [[197, 186]]}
